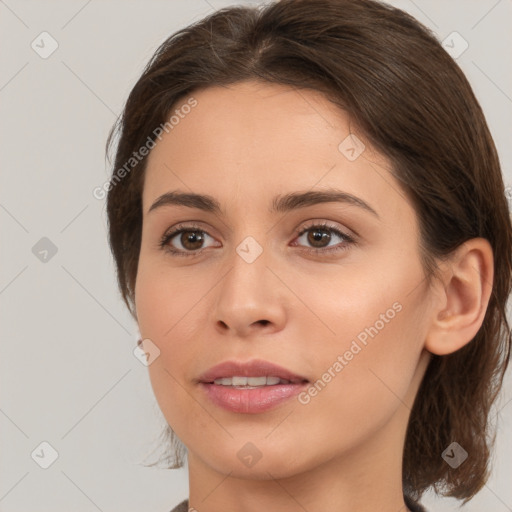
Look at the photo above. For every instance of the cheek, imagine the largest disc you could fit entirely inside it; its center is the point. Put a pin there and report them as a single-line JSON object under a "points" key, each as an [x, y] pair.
{"points": [[357, 394], [168, 307], [165, 299], [367, 359]]}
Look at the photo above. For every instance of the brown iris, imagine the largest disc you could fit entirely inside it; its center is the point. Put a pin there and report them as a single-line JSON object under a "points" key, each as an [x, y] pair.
{"points": [[192, 240], [319, 235]]}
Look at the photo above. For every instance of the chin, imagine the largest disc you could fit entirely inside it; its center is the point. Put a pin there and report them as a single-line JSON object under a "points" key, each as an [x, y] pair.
{"points": [[256, 461]]}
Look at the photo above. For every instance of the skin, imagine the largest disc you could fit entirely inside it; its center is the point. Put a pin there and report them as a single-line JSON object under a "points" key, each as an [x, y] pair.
{"points": [[244, 145]]}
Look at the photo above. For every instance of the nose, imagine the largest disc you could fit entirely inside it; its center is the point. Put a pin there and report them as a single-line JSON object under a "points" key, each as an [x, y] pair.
{"points": [[250, 300]]}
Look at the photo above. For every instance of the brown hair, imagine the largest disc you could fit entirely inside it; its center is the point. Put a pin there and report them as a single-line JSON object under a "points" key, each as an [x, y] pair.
{"points": [[413, 103]]}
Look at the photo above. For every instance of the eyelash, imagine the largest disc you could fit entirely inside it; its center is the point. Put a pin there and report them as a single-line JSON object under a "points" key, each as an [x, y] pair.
{"points": [[180, 228]]}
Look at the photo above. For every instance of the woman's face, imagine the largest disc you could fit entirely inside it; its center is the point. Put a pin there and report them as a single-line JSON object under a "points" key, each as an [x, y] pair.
{"points": [[330, 292]]}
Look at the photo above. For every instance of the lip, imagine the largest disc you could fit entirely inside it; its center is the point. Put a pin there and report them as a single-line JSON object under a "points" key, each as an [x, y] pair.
{"points": [[253, 368], [250, 401]]}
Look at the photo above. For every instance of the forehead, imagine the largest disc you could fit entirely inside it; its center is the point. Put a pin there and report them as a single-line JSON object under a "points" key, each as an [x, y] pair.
{"points": [[259, 139], [250, 119], [259, 110], [251, 95]]}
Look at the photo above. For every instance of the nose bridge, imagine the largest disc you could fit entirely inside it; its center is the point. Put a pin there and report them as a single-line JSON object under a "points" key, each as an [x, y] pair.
{"points": [[246, 281], [245, 295]]}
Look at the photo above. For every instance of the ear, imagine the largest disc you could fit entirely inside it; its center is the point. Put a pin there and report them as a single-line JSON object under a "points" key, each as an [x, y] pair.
{"points": [[462, 293]]}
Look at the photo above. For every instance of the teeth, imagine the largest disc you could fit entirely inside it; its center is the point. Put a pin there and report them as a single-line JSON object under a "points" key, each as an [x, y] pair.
{"points": [[239, 381], [257, 381]]}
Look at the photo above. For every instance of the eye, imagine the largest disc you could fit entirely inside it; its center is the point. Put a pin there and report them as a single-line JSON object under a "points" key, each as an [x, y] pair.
{"points": [[185, 240], [320, 236], [189, 240]]}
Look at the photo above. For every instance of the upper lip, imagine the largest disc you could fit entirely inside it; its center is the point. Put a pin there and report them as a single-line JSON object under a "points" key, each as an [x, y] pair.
{"points": [[253, 368]]}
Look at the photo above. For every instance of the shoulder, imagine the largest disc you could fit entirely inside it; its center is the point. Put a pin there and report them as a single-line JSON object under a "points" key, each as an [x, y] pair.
{"points": [[182, 507]]}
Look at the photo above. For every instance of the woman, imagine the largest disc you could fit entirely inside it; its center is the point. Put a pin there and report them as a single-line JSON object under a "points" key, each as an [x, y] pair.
{"points": [[309, 224]]}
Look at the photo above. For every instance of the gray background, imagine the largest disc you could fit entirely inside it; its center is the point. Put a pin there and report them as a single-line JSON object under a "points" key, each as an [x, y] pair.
{"points": [[67, 369]]}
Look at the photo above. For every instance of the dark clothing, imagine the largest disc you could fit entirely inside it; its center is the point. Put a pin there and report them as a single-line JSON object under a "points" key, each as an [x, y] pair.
{"points": [[182, 507], [413, 506]]}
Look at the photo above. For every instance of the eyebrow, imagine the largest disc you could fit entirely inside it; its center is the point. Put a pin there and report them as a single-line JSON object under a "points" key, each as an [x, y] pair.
{"points": [[280, 203]]}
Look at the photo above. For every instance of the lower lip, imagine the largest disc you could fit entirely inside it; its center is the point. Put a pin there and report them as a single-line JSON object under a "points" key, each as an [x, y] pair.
{"points": [[251, 401]]}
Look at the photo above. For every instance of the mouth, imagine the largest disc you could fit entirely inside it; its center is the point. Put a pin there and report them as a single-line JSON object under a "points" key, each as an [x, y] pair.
{"points": [[241, 382], [252, 387]]}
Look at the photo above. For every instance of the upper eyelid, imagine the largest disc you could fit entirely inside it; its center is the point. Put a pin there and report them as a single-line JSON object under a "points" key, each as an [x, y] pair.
{"points": [[299, 231], [196, 225], [322, 224]]}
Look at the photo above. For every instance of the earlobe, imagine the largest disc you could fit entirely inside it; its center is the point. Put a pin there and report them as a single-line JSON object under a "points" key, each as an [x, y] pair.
{"points": [[465, 288]]}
